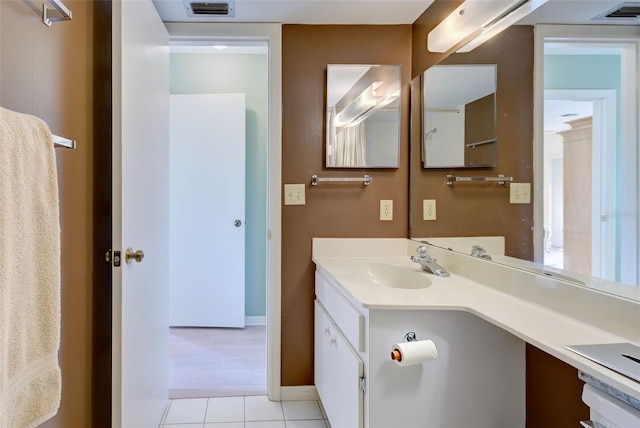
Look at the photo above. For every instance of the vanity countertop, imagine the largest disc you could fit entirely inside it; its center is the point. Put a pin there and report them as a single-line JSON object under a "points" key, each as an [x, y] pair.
{"points": [[540, 311]]}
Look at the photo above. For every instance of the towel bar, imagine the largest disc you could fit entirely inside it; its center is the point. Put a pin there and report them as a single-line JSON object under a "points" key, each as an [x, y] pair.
{"points": [[500, 179], [366, 180]]}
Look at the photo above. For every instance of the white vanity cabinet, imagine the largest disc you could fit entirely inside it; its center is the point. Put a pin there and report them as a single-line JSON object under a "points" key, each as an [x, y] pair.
{"points": [[338, 368], [477, 379]]}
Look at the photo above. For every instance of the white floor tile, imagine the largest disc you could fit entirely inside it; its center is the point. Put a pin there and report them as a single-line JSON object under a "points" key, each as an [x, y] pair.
{"points": [[259, 408], [225, 409], [297, 410], [185, 411], [265, 424], [306, 424]]}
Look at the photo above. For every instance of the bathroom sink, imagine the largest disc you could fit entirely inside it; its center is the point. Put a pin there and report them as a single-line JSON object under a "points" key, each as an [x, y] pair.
{"points": [[391, 276]]}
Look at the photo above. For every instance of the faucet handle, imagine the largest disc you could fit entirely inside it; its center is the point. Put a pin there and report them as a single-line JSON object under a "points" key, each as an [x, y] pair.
{"points": [[422, 250]]}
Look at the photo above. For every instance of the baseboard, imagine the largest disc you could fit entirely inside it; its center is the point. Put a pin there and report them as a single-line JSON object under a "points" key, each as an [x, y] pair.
{"points": [[299, 393], [255, 320]]}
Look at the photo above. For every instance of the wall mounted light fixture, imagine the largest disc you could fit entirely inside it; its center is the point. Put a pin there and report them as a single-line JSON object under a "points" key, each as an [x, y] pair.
{"points": [[479, 20]]}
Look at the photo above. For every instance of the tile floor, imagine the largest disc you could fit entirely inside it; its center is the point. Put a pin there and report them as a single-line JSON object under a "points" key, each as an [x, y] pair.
{"points": [[243, 412]]}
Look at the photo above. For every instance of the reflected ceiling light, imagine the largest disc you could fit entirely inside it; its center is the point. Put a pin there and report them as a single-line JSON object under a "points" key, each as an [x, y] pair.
{"points": [[369, 101], [481, 19], [220, 47]]}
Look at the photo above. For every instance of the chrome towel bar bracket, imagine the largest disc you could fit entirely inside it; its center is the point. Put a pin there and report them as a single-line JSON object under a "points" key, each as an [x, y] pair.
{"points": [[63, 142], [60, 12]]}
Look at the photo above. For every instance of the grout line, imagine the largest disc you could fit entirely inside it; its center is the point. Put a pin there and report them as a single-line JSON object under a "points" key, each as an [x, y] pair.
{"points": [[244, 411], [206, 409]]}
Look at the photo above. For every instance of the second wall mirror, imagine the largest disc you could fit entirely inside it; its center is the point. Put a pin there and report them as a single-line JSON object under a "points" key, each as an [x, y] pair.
{"points": [[363, 116], [459, 116]]}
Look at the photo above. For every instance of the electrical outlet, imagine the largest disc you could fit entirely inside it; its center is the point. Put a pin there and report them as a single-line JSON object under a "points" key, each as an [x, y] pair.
{"points": [[386, 210], [428, 209], [294, 194], [520, 193]]}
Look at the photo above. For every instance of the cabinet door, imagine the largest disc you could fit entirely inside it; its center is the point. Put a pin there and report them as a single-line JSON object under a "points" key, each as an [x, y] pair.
{"points": [[337, 371]]}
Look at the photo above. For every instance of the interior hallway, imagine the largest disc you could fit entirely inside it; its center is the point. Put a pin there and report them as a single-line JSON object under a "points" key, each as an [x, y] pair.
{"points": [[217, 362]]}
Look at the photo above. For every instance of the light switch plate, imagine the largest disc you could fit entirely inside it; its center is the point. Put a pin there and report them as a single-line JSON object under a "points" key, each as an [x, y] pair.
{"points": [[520, 193], [386, 210], [294, 194], [428, 209]]}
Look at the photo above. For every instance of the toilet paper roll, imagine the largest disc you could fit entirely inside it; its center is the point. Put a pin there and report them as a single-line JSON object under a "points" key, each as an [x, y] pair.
{"points": [[416, 352]]}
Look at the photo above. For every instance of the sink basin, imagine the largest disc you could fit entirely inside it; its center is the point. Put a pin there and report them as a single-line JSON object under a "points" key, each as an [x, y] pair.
{"points": [[391, 276]]}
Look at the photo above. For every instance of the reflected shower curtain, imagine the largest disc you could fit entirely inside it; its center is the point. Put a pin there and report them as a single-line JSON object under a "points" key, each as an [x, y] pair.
{"points": [[350, 146]]}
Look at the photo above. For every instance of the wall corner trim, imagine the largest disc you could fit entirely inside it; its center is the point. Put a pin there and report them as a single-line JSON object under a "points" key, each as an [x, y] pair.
{"points": [[299, 393]]}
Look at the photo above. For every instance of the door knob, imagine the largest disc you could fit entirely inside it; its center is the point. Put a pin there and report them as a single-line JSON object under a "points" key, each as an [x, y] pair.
{"points": [[131, 255], [237, 223]]}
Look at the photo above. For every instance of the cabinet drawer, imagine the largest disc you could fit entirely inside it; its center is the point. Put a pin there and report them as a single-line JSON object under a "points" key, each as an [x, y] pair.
{"points": [[343, 313]]}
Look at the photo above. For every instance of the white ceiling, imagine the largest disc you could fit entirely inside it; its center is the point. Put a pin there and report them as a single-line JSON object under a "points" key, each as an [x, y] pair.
{"points": [[306, 11], [378, 12]]}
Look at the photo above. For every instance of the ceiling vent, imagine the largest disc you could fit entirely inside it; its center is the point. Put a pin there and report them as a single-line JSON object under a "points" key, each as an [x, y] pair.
{"points": [[215, 9], [622, 12]]}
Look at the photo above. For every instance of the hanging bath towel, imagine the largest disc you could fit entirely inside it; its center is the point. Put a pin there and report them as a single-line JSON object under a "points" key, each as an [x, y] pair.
{"points": [[30, 380]]}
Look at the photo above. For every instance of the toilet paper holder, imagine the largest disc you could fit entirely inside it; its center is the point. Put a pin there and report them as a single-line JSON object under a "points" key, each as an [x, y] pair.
{"points": [[413, 351], [410, 337]]}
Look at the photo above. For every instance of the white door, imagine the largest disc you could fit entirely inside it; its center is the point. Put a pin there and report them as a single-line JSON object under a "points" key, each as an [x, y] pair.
{"points": [[140, 213], [207, 194]]}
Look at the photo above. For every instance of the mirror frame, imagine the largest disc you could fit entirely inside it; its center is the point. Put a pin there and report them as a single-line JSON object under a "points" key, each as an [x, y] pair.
{"points": [[353, 95], [479, 148]]}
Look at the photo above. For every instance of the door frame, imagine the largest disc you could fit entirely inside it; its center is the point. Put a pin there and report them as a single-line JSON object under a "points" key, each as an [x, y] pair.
{"points": [[272, 34], [603, 168], [603, 34]]}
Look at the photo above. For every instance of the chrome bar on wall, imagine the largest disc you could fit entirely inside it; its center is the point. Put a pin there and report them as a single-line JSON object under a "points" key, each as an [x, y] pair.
{"points": [[60, 12], [366, 180], [63, 142], [479, 143], [500, 179]]}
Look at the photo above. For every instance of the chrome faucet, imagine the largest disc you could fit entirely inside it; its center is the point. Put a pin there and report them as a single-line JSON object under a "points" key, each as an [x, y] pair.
{"points": [[427, 262], [478, 251]]}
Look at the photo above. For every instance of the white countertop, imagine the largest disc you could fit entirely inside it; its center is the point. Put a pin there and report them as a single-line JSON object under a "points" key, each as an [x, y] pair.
{"points": [[540, 311]]}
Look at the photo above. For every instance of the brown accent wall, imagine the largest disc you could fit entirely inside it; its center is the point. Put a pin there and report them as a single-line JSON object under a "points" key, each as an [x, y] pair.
{"points": [[479, 125], [553, 392], [46, 71], [472, 209], [331, 210]]}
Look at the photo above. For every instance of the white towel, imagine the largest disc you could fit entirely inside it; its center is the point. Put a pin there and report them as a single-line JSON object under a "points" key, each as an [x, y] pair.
{"points": [[30, 381]]}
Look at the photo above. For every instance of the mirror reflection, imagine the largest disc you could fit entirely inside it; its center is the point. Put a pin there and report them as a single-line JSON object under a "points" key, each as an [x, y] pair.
{"points": [[363, 116], [586, 196], [459, 116]]}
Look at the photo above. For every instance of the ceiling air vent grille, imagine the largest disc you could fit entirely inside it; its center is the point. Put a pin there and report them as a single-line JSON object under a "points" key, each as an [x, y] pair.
{"points": [[219, 9], [623, 12]]}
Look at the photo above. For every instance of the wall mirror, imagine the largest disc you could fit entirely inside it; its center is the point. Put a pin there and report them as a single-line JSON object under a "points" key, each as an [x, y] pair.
{"points": [[363, 116], [585, 206], [459, 116]]}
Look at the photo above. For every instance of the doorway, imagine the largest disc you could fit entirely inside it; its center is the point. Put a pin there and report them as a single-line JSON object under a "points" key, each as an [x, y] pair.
{"points": [[214, 355], [579, 165], [586, 153]]}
